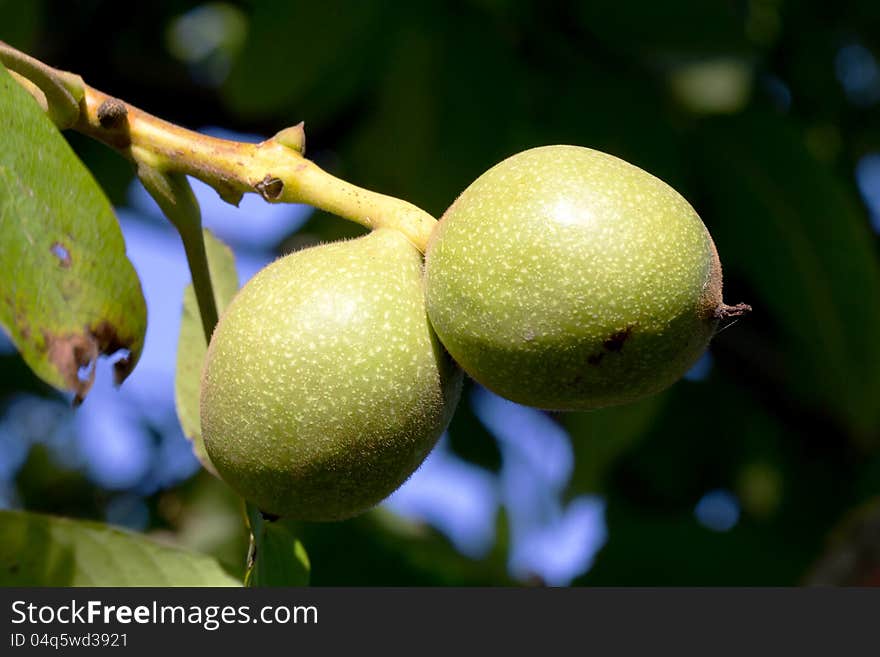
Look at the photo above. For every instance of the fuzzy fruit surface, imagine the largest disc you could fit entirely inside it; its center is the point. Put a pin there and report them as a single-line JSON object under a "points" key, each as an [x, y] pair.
{"points": [[566, 278], [324, 386]]}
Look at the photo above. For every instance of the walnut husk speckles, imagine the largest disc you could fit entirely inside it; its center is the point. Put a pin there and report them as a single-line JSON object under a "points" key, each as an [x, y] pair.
{"points": [[324, 386], [565, 278]]}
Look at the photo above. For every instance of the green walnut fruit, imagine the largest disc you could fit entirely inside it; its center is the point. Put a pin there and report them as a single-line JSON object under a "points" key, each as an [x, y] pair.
{"points": [[566, 278], [324, 386]]}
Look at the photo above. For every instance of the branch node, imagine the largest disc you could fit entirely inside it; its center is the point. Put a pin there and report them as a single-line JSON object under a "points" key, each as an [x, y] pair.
{"points": [[293, 137], [112, 113], [270, 187]]}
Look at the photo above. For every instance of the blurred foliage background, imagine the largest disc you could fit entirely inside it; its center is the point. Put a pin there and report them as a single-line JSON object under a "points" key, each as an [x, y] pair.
{"points": [[763, 467]]}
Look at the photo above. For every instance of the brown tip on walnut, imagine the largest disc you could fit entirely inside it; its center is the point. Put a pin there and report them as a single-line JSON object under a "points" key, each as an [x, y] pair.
{"points": [[727, 312]]}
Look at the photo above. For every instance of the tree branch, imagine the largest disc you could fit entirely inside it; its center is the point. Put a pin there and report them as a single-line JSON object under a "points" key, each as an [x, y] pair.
{"points": [[275, 168]]}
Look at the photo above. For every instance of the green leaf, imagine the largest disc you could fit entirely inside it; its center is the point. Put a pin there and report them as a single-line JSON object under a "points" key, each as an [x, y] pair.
{"points": [[469, 438], [382, 549], [24, 31], [430, 84], [601, 436], [279, 558], [670, 548], [711, 435], [660, 31], [850, 558], [783, 223], [40, 550], [191, 347], [68, 293], [287, 64]]}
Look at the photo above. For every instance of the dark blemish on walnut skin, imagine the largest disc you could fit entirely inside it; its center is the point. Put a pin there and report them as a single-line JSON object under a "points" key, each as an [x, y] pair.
{"points": [[616, 341], [60, 251], [612, 344]]}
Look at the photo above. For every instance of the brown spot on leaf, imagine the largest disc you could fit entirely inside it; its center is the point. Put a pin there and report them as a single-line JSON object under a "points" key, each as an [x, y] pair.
{"points": [[596, 359], [20, 318], [109, 343], [615, 341], [72, 353], [62, 253]]}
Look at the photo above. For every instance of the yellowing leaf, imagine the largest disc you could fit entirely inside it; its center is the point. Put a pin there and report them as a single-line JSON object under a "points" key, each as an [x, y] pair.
{"points": [[68, 293]]}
